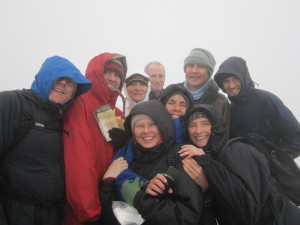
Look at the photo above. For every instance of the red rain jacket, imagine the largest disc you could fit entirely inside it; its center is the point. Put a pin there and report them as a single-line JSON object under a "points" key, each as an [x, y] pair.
{"points": [[87, 154]]}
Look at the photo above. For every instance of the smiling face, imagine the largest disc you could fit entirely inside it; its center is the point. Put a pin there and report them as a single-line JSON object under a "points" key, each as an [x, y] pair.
{"points": [[113, 81], [176, 106], [196, 75], [62, 90], [146, 133], [137, 91], [199, 131], [232, 85]]}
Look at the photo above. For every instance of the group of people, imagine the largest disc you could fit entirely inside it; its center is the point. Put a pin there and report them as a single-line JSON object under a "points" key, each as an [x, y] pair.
{"points": [[60, 169]]}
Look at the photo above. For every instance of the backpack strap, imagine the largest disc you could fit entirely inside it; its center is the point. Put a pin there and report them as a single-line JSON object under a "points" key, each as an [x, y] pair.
{"points": [[274, 209], [230, 142], [261, 143], [25, 121]]}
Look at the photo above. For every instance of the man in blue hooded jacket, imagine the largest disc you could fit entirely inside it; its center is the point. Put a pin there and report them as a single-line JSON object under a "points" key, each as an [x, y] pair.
{"points": [[32, 182], [255, 110]]}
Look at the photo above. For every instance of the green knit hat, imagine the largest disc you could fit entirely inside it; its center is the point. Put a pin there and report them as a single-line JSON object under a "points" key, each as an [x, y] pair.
{"points": [[203, 57]]}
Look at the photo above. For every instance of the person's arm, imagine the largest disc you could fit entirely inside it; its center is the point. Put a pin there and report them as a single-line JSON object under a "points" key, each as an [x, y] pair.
{"points": [[189, 151], [195, 172], [179, 129], [241, 182], [157, 185], [116, 168], [107, 190], [127, 174], [107, 195], [127, 153], [191, 167], [81, 173], [226, 116], [285, 125], [119, 137], [9, 119], [184, 206], [222, 104]]}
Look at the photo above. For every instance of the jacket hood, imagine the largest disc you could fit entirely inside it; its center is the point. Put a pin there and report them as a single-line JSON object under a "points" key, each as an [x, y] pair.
{"points": [[156, 110], [177, 89], [218, 135], [130, 103], [95, 73], [238, 67], [52, 70]]}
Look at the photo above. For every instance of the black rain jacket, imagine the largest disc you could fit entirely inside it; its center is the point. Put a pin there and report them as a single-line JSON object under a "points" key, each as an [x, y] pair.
{"points": [[31, 172], [184, 206], [240, 180], [258, 111]]}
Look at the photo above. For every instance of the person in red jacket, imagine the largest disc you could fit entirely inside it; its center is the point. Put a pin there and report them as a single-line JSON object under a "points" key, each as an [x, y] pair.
{"points": [[87, 154]]}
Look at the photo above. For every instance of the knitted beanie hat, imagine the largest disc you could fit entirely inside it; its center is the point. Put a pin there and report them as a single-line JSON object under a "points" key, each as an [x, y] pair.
{"points": [[196, 115], [137, 77], [137, 117], [203, 57], [116, 66]]}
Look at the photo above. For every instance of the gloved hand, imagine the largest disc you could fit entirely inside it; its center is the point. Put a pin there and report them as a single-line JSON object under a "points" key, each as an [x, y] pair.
{"points": [[129, 190], [119, 137]]}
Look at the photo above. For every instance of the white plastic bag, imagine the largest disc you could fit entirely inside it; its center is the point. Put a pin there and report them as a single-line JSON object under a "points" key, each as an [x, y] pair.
{"points": [[126, 214]]}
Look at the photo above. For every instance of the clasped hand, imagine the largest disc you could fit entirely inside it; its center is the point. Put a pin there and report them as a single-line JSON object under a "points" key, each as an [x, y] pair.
{"points": [[156, 185]]}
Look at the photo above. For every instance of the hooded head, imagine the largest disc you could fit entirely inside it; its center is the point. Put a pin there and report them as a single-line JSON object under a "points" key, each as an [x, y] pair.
{"points": [[218, 128], [157, 112], [55, 68], [235, 66], [95, 73], [116, 66], [174, 89], [202, 57]]}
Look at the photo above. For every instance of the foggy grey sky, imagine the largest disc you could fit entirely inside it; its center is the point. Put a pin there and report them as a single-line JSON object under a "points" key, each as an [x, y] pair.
{"points": [[265, 33]]}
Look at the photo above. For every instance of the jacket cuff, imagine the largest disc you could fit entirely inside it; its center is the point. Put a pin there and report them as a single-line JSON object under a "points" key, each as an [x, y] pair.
{"points": [[109, 179], [106, 185], [138, 198]]}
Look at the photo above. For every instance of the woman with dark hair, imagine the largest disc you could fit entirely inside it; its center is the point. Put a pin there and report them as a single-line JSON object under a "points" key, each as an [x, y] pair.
{"points": [[152, 136], [238, 176], [177, 101]]}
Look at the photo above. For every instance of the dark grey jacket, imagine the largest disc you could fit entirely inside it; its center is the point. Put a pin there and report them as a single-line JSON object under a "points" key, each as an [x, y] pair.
{"points": [[184, 206], [258, 111], [240, 180], [32, 182], [212, 97]]}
